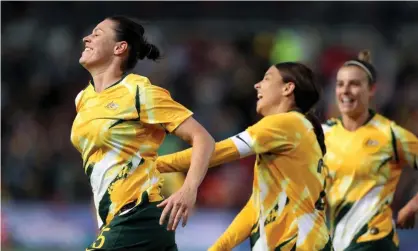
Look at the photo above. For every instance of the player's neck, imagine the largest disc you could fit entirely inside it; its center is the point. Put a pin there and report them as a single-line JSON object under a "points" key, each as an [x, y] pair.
{"points": [[282, 108], [352, 123], [105, 77]]}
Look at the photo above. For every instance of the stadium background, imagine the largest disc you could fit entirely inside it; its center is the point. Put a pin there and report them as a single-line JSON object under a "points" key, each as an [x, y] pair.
{"points": [[214, 53]]}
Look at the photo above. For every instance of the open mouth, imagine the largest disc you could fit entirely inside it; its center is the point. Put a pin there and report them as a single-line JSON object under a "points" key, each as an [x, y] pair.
{"points": [[259, 96], [347, 101], [88, 49]]}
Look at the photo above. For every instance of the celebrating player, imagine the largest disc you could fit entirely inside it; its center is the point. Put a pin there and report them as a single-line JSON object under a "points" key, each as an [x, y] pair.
{"points": [[286, 208], [366, 153], [121, 122]]}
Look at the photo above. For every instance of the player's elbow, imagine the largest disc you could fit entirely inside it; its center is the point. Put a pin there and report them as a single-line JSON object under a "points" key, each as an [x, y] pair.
{"points": [[203, 137], [195, 134]]}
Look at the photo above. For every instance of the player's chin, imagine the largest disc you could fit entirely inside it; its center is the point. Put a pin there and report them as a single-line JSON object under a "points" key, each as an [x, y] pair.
{"points": [[85, 62], [258, 109], [82, 60], [347, 111]]}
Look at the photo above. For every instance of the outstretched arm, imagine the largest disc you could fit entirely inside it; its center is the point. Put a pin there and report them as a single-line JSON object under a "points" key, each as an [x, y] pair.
{"points": [[226, 151], [270, 133]]}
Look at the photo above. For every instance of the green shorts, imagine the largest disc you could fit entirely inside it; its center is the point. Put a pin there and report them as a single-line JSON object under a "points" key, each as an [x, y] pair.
{"points": [[137, 230]]}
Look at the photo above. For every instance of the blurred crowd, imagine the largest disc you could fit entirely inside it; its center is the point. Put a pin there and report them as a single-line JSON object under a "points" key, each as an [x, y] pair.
{"points": [[210, 66]]}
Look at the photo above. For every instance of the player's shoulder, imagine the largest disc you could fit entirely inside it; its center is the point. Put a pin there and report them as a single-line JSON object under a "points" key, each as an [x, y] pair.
{"points": [[284, 119], [78, 99], [141, 83], [381, 124], [136, 80], [380, 121], [82, 94]]}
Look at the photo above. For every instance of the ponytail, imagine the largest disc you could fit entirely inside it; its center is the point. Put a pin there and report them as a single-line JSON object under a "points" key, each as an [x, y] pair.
{"points": [[318, 130], [307, 93], [147, 50], [131, 31]]}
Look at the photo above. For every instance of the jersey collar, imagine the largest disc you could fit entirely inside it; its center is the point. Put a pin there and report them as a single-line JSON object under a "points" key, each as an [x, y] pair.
{"points": [[372, 113], [117, 82]]}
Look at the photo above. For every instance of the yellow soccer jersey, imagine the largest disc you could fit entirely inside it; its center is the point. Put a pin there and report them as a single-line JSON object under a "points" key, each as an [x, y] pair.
{"points": [[286, 208], [118, 132], [364, 168]]}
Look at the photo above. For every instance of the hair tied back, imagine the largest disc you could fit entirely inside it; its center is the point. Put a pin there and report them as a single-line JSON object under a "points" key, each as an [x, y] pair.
{"points": [[365, 56]]}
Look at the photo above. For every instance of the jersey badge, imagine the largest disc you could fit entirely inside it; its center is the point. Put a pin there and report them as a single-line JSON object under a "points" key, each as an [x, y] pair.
{"points": [[112, 106]]}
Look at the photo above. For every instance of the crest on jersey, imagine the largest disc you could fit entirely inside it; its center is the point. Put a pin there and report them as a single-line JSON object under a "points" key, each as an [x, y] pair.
{"points": [[372, 142], [112, 106]]}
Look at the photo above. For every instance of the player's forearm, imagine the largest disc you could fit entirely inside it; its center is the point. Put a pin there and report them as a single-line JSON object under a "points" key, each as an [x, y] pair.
{"points": [[238, 231], [225, 151], [413, 204], [202, 150]]}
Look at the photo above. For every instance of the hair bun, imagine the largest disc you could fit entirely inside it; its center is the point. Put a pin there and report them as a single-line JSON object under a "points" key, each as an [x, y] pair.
{"points": [[365, 56], [147, 50], [143, 50], [153, 52]]}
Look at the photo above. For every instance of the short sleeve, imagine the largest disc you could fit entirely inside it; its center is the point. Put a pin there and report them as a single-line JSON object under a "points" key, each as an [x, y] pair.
{"points": [[157, 107], [405, 146], [278, 133]]}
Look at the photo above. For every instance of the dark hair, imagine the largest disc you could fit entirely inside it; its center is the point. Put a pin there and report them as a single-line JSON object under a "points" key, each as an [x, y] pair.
{"points": [[307, 93], [132, 32], [364, 62]]}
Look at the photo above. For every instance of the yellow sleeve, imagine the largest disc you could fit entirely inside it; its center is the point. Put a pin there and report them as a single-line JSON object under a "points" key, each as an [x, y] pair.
{"points": [[274, 133], [406, 150], [239, 230], [225, 151], [157, 107]]}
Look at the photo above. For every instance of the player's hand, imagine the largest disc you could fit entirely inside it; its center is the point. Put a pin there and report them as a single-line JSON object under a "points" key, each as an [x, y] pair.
{"points": [[178, 206], [406, 218]]}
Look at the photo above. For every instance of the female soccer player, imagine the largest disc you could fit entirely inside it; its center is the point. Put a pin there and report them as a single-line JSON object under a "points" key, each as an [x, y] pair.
{"points": [[121, 122], [286, 208], [366, 153]]}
